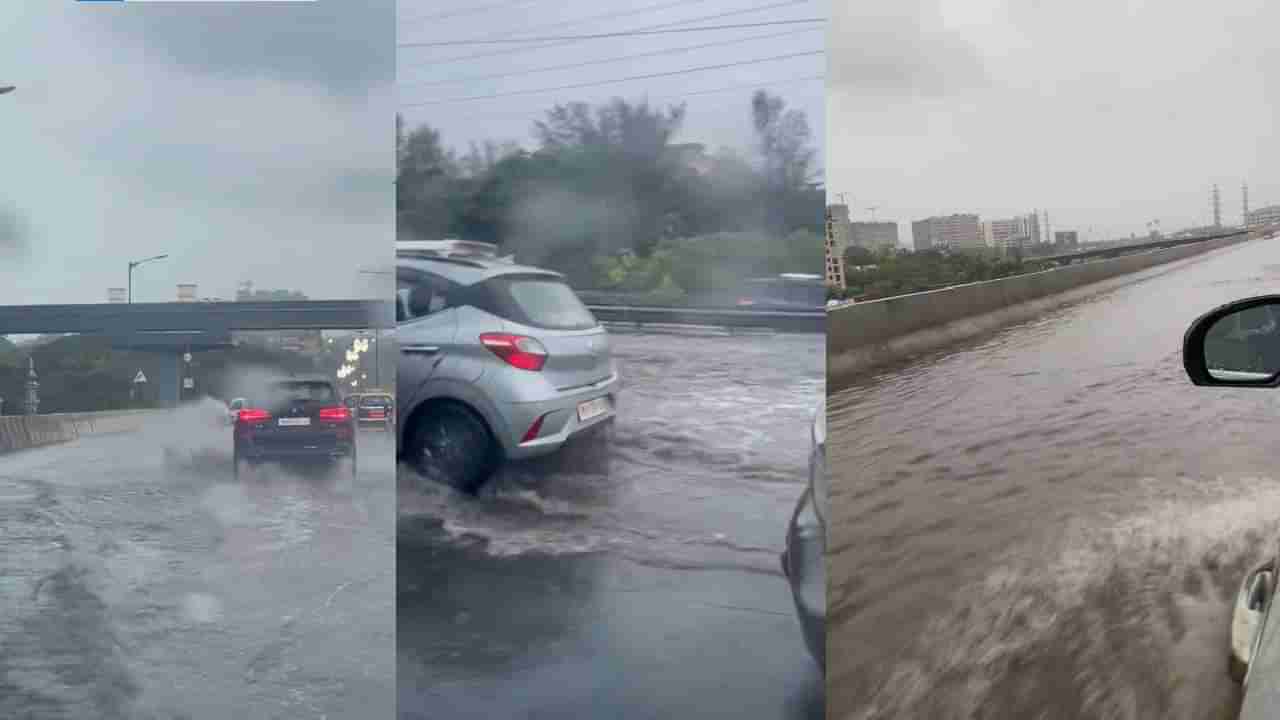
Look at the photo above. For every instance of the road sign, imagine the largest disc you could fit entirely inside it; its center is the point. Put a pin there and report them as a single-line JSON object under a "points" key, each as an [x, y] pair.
{"points": [[188, 383], [139, 378], [186, 357]]}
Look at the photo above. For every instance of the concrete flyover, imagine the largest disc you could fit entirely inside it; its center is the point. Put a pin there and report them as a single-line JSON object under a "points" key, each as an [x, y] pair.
{"points": [[171, 329], [863, 336]]}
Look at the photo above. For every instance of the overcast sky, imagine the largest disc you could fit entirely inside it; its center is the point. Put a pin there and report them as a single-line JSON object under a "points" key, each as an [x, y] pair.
{"points": [[433, 80], [1106, 113], [247, 141]]}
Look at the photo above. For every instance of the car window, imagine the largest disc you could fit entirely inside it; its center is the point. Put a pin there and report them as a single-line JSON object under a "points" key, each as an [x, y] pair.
{"points": [[303, 391], [540, 301], [375, 401], [419, 295]]}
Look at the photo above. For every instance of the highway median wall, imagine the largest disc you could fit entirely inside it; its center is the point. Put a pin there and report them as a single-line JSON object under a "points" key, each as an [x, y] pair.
{"points": [[864, 336], [21, 432]]}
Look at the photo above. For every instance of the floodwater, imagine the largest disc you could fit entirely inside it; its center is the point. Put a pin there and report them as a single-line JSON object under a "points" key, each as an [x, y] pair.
{"points": [[637, 574], [140, 586], [1051, 521]]}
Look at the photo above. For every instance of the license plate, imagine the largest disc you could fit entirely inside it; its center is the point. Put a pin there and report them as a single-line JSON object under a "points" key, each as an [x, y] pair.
{"points": [[294, 422], [376, 414], [593, 409]]}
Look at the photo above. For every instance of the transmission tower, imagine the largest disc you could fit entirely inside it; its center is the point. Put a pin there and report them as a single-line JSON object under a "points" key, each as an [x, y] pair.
{"points": [[1217, 207]]}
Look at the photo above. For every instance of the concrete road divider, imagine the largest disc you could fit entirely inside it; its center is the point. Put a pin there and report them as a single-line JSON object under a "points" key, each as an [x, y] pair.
{"points": [[862, 336], [20, 432]]}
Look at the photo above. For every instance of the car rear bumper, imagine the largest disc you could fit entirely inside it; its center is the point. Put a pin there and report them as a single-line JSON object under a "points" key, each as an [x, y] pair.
{"points": [[302, 450], [560, 419]]}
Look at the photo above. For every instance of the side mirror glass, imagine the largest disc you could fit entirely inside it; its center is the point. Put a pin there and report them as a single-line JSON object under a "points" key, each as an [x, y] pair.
{"points": [[1237, 344], [1247, 616]]}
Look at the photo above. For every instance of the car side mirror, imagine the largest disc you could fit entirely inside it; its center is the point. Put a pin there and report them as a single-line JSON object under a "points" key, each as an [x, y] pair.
{"points": [[1246, 619], [1235, 345]]}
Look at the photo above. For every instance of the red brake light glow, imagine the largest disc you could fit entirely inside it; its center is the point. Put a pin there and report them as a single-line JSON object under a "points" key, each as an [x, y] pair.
{"points": [[334, 414], [249, 415], [518, 351]]}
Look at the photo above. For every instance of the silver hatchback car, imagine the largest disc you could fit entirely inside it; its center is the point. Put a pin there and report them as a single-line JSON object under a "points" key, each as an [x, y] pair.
{"points": [[498, 361]]}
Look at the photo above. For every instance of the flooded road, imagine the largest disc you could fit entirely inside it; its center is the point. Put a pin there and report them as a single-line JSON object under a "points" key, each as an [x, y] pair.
{"points": [[1051, 522], [136, 588], [634, 576]]}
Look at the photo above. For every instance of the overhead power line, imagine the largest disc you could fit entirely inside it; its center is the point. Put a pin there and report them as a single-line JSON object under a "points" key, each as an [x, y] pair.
{"points": [[605, 61], [624, 33], [676, 23], [650, 76]]}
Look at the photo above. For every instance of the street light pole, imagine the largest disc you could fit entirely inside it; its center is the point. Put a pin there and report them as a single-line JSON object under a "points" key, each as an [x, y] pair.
{"points": [[135, 263]]}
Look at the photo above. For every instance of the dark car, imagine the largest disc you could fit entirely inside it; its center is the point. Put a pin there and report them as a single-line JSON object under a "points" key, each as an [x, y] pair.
{"points": [[295, 420], [376, 409]]}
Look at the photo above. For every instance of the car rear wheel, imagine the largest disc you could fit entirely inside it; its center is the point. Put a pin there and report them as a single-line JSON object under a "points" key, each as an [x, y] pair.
{"points": [[452, 441]]}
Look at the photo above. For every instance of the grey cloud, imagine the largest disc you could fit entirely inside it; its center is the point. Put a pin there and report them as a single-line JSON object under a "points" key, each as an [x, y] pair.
{"points": [[345, 47], [14, 234], [904, 52]]}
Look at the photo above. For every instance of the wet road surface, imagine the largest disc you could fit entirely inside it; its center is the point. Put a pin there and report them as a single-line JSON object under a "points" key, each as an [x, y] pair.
{"points": [[132, 587], [634, 576], [1051, 521]]}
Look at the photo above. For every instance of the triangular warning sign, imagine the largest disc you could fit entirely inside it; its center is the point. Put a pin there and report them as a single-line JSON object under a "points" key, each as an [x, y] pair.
{"points": [[139, 378]]}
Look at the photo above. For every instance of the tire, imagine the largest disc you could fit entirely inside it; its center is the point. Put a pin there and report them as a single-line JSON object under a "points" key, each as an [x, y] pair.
{"points": [[450, 440]]}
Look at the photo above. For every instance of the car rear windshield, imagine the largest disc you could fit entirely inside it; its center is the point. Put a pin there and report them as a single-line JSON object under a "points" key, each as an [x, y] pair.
{"points": [[303, 391], [540, 301], [375, 401]]}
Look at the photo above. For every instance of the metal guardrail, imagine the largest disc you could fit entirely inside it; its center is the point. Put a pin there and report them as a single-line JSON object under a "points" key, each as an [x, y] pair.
{"points": [[1131, 249], [797, 321]]}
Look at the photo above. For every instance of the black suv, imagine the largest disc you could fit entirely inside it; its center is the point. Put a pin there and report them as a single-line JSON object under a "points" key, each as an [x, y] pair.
{"points": [[295, 419]]}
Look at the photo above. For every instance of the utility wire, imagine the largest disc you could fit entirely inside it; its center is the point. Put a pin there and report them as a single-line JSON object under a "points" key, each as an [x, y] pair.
{"points": [[605, 61], [650, 76], [624, 33], [677, 23]]}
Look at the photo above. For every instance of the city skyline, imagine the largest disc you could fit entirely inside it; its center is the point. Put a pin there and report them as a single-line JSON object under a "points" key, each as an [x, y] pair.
{"points": [[950, 106]]}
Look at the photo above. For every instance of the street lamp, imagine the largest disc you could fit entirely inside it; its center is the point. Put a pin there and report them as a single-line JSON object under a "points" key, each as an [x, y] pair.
{"points": [[135, 263]]}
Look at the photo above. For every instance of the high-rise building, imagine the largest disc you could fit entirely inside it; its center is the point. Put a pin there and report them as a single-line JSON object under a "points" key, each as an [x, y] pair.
{"points": [[1264, 215], [1009, 234], [874, 235], [1066, 238], [837, 242], [186, 292], [117, 295], [954, 232]]}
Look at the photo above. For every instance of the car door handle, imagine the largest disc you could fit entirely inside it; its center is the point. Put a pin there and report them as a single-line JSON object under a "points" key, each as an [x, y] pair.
{"points": [[419, 349]]}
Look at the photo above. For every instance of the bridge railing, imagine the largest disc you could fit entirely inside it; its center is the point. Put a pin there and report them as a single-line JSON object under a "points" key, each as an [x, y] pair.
{"points": [[798, 321]]}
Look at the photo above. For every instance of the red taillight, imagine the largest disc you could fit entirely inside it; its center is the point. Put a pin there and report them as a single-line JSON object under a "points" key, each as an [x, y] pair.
{"points": [[250, 415], [518, 351], [334, 414], [533, 431]]}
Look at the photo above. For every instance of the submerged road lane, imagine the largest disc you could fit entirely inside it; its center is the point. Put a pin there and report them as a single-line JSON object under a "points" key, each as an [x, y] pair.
{"points": [[1051, 521], [631, 578], [135, 588]]}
